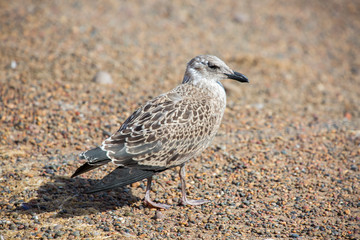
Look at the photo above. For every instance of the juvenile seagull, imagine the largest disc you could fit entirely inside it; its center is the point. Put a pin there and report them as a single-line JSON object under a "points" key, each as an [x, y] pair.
{"points": [[166, 131]]}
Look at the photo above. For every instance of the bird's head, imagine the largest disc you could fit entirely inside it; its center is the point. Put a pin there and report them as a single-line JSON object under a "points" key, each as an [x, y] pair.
{"points": [[210, 68]]}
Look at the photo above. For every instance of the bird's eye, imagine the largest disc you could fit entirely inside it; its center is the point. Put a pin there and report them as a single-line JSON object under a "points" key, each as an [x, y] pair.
{"points": [[213, 66]]}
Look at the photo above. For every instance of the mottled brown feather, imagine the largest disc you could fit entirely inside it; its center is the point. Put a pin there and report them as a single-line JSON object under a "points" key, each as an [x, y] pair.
{"points": [[166, 131]]}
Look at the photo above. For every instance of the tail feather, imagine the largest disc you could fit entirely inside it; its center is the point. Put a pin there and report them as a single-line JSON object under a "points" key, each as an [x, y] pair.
{"points": [[94, 155], [87, 167], [95, 158], [120, 177]]}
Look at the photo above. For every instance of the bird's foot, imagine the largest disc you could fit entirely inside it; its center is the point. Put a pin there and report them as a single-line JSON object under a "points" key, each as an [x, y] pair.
{"points": [[147, 200], [186, 201], [152, 204]]}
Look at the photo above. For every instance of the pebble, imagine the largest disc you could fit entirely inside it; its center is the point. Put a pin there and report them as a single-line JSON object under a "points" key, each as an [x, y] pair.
{"points": [[13, 64], [169, 201], [25, 206], [102, 77], [58, 227], [294, 235], [59, 234], [158, 215], [241, 18], [354, 168]]}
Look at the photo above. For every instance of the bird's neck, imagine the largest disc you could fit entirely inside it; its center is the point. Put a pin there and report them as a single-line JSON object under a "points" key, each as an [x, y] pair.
{"points": [[213, 88]]}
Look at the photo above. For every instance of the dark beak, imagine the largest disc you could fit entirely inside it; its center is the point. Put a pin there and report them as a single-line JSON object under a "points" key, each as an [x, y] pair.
{"points": [[238, 77]]}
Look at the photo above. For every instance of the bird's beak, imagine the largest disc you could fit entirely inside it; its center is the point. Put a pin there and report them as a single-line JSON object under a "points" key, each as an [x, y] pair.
{"points": [[238, 77]]}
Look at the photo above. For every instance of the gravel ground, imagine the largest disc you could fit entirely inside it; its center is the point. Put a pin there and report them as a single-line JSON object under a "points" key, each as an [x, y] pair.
{"points": [[285, 163]]}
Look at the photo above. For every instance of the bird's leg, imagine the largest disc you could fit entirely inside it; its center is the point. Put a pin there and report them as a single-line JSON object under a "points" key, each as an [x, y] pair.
{"points": [[184, 200], [147, 199]]}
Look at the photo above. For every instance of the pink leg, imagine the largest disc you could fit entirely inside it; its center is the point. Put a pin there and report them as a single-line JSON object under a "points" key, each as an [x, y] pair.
{"points": [[147, 199], [184, 200]]}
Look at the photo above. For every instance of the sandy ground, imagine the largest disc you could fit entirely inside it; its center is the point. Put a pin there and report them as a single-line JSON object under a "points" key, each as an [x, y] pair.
{"points": [[285, 163]]}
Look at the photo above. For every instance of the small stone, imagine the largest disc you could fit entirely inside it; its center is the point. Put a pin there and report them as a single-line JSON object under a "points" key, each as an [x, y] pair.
{"points": [[241, 18], [13, 227], [209, 226], [13, 64], [58, 227], [103, 78], [347, 211], [158, 215], [59, 233], [354, 168], [306, 208], [191, 218], [25, 206], [169, 201], [294, 235]]}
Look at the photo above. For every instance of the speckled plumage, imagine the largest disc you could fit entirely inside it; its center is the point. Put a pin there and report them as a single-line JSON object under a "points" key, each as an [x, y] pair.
{"points": [[168, 130]]}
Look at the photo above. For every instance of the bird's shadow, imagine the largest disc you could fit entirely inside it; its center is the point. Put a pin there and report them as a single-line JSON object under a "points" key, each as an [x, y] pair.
{"points": [[66, 198]]}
